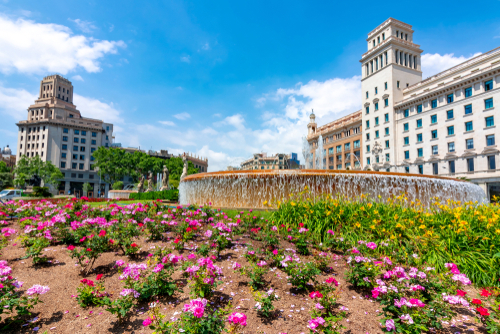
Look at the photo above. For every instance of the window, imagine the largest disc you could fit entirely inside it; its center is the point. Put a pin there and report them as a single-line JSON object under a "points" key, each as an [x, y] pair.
{"points": [[377, 159], [397, 84], [491, 162], [80, 166], [386, 144], [434, 104], [82, 140], [407, 154], [367, 136], [434, 134], [419, 123], [490, 140], [339, 148], [347, 146], [65, 130], [434, 150], [77, 132], [405, 126], [75, 148], [82, 157], [70, 115], [376, 90], [470, 165], [91, 176], [407, 169], [386, 131], [75, 156], [468, 109], [435, 169], [488, 103], [107, 138], [468, 92], [449, 98], [419, 109], [94, 134], [367, 148], [63, 164], [387, 157], [63, 155], [74, 165], [449, 114], [80, 176], [73, 175], [468, 126], [488, 85], [376, 121], [357, 143], [407, 140], [107, 128], [93, 142], [406, 113], [419, 138], [451, 166], [82, 148], [421, 169], [376, 106], [376, 134], [367, 124], [75, 140], [366, 94], [434, 119], [386, 117], [386, 102], [489, 121], [469, 143], [65, 147], [65, 138], [330, 150], [385, 84], [451, 130], [451, 147], [367, 161], [420, 152], [367, 110]]}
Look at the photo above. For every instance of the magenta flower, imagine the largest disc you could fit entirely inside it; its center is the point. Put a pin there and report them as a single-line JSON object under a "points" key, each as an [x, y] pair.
{"points": [[238, 318], [236, 265], [196, 307], [389, 325], [38, 289], [371, 245], [147, 322], [262, 263], [126, 292]]}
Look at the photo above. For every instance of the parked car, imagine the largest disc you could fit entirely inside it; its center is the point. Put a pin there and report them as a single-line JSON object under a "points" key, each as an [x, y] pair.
{"points": [[8, 194]]}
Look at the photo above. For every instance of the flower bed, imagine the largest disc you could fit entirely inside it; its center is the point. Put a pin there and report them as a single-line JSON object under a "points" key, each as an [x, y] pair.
{"points": [[196, 270]]}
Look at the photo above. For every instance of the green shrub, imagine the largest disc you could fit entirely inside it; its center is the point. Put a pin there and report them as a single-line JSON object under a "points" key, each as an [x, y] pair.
{"points": [[171, 195], [118, 185], [41, 192]]}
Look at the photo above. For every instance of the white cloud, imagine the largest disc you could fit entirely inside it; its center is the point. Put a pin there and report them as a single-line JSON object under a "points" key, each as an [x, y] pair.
{"points": [[77, 78], [38, 48], [182, 116], [186, 59], [93, 108], [111, 28], [15, 102], [206, 47], [167, 123], [435, 63], [84, 26], [217, 115]]}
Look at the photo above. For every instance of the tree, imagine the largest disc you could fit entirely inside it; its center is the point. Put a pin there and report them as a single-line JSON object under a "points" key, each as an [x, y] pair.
{"points": [[27, 168], [87, 187], [5, 176]]}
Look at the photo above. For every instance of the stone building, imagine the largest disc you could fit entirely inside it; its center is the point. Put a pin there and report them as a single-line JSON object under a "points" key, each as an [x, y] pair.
{"points": [[265, 161], [444, 125], [341, 141], [8, 157], [56, 131]]}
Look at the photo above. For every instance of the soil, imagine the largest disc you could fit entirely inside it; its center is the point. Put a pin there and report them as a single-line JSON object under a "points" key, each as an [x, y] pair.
{"points": [[60, 313]]}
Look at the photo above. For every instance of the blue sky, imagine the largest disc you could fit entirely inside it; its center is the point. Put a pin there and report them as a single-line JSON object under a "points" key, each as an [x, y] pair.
{"points": [[222, 79]]}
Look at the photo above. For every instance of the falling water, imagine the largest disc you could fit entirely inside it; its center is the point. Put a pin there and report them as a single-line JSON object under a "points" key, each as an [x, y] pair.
{"points": [[249, 189], [306, 152]]}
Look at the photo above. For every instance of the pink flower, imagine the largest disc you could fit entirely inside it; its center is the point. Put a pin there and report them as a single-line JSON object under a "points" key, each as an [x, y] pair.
{"points": [[319, 307], [315, 294], [332, 280], [158, 268], [147, 322], [71, 247], [330, 232], [274, 228], [315, 322], [262, 263], [238, 318], [371, 245], [196, 307], [236, 265], [120, 263], [126, 292], [389, 325], [38, 289], [275, 252]]}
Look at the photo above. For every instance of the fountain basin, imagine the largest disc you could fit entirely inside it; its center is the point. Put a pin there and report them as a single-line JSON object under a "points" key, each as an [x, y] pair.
{"points": [[250, 189]]}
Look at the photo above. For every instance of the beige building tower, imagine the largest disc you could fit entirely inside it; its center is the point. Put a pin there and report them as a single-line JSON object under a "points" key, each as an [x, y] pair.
{"points": [[56, 131]]}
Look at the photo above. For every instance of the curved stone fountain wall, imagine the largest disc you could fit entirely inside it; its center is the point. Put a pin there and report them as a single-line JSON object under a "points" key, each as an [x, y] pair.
{"points": [[249, 189]]}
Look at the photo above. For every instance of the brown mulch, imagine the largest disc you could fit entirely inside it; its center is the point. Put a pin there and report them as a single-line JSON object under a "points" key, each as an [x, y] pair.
{"points": [[60, 313]]}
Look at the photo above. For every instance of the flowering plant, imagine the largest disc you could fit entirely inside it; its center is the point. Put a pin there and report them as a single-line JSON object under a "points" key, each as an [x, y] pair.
{"points": [[254, 272], [265, 301], [204, 277], [237, 321], [300, 274], [90, 293]]}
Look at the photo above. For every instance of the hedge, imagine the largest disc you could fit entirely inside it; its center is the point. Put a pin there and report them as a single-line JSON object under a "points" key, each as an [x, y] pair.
{"points": [[171, 195]]}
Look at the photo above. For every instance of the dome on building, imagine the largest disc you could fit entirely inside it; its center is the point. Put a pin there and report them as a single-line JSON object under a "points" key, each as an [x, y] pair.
{"points": [[6, 150]]}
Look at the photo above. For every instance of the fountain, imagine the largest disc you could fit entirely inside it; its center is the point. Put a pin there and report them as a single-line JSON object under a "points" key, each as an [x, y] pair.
{"points": [[250, 189]]}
